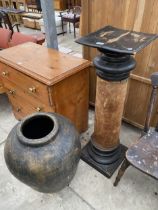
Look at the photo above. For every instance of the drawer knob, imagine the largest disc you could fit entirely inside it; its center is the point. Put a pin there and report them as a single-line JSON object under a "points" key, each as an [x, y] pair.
{"points": [[12, 92], [18, 109], [32, 89], [38, 109], [4, 73]]}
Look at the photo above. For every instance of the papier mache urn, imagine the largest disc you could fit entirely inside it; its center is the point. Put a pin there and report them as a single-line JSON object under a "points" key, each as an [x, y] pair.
{"points": [[43, 151], [113, 67]]}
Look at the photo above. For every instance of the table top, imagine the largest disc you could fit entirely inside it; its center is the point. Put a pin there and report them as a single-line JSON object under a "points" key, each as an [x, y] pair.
{"points": [[49, 66], [11, 10], [117, 40]]}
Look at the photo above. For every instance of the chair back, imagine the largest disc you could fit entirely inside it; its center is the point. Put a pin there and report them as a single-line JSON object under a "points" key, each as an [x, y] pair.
{"points": [[5, 36], [154, 83], [77, 10], [19, 38], [4, 19]]}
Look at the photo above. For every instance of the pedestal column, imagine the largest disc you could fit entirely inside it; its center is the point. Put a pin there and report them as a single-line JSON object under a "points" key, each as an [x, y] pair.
{"points": [[104, 152], [104, 149]]}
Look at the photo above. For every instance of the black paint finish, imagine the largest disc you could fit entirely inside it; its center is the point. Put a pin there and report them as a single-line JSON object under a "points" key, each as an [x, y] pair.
{"points": [[106, 169], [114, 67], [117, 40]]}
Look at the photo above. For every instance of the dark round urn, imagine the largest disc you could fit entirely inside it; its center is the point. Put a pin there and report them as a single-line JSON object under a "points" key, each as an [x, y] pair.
{"points": [[43, 151]]}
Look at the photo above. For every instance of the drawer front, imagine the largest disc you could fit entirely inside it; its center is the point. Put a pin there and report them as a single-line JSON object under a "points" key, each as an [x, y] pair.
{"points": [[23, 104], [30, 86], [22, 108]]}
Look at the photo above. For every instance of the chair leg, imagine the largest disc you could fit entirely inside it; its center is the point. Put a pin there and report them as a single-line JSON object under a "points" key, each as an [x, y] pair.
{"points": [[17, 27], [62, 25], [121, 171], [74, 30], [69, 28]]}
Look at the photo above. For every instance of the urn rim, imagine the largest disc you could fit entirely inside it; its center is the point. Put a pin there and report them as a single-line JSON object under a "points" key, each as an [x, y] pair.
{"points": [[37, 141]]}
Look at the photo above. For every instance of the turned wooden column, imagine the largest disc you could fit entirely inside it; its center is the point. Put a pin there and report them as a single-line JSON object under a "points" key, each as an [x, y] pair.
{"points": [[110, 97], [112, 71]]}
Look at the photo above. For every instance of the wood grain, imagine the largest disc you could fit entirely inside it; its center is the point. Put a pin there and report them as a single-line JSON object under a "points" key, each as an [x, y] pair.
{"points": [[49, 67], [109, 106], [71, 98]]}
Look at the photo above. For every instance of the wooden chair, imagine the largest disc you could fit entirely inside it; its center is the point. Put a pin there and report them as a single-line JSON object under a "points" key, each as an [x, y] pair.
{"points": [[71, 16], [143, 155], [5, 21]]}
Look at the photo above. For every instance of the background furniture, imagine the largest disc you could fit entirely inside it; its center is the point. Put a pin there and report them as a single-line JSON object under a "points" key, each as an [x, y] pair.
{"points": [[60, 29], [5, 36], [33, 5], [21, 4], [7, 39], [13, 10], [71, 16], [72, 3], [59, 4], [31, 20], [6, 3], [143, 155], [1, 3], [133, 15], [19, 38], [41, 79], [40, 38], [5, 22], [65, 4]]}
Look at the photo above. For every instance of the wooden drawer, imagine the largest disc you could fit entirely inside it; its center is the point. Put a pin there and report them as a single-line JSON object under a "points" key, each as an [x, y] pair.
{"points": [[22, 107], [30, 86], [18, 97]]}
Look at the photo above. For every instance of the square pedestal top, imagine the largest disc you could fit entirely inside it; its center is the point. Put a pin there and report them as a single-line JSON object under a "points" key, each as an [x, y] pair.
{"points": [[49, 66], [117, 40]]}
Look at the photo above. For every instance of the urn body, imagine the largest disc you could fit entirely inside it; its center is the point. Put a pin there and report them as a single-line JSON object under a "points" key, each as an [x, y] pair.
{"points": [[43, 151]]}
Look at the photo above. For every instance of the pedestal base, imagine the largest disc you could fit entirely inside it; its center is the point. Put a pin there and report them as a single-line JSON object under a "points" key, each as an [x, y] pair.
{"points": [[105, 169]]}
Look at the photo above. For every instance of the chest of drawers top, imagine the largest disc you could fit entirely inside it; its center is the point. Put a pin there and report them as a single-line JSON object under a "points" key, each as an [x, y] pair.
{"points": [[45, 65]]}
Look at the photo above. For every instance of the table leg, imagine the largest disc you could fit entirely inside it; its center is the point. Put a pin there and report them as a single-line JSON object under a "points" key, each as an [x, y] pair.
{"points": [[74, 30]]}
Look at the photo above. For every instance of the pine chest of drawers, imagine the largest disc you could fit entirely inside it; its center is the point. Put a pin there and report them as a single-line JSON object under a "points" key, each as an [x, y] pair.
{"points": [[41, 79]]}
